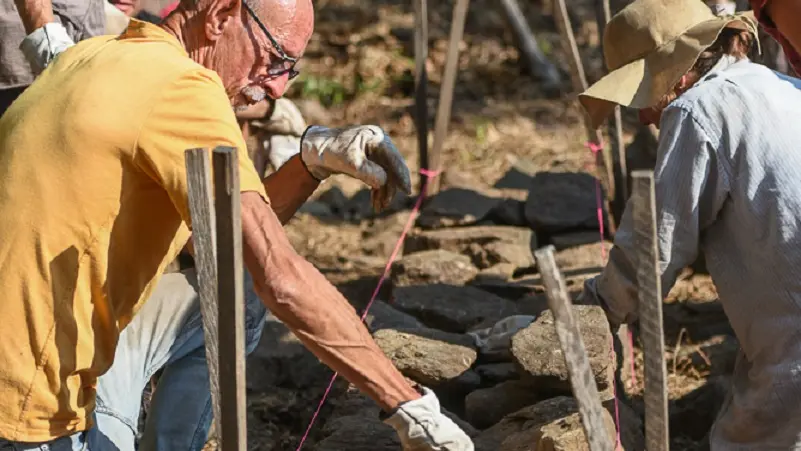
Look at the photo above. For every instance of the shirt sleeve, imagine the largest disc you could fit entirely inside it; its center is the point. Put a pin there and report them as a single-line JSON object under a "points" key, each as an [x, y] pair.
{"points": [[690, 189], [192, 112]]}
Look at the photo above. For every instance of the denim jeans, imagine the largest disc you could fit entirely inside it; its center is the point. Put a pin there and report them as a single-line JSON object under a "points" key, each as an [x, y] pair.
{"points": [[166, 333]]}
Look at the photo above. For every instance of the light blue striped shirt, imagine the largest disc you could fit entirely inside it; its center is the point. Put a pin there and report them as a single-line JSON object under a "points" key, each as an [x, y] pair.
{"points": [[728, 182]]}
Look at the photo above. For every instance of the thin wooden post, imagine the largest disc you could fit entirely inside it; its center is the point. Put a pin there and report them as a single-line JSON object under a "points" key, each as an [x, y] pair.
{"points": [[579, 81], [233, 420], [578, 364], [201, 210], [650, 297], [421, 82], [446, 92], [220, 277]]}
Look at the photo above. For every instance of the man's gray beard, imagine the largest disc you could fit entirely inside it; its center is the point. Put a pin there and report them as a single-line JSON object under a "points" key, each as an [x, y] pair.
{"points": [[254, 94]]}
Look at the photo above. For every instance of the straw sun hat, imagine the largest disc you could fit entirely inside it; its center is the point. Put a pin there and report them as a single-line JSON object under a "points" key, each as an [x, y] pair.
{"points": [[648, 46]]}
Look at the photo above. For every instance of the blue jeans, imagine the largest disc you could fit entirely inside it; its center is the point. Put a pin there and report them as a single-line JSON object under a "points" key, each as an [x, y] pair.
{"points": [[166, 333]]}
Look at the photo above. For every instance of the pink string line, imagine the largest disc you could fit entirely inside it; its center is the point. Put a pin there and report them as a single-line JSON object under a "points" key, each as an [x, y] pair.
{"points": [[594, 149], [428, 174]]}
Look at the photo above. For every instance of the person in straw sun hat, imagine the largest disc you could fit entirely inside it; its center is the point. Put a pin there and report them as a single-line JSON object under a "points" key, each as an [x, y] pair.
{"points": [[728, 183]]}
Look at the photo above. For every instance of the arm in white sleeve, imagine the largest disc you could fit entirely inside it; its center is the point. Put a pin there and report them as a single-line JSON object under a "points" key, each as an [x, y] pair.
{"points": [[46, 37], [691, 186]]}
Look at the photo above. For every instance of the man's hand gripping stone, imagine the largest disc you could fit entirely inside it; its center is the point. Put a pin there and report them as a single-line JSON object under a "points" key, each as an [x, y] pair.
{"points": [[364, 152]]}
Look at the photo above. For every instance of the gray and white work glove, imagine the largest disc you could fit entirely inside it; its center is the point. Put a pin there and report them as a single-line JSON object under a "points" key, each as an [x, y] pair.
{"points": [[364, 152], [421, 426], [44, 44]]}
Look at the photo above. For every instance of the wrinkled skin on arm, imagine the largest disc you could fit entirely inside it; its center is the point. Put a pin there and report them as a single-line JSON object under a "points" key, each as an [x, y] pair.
{"points": [[300, 296]]}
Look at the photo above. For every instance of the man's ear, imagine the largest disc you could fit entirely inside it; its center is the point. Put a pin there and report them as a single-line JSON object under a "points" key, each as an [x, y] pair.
{"points": [[221, 14]]}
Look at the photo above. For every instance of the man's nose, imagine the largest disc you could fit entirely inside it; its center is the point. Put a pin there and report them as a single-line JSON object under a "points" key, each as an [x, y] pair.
{"points": [[275, 88]]}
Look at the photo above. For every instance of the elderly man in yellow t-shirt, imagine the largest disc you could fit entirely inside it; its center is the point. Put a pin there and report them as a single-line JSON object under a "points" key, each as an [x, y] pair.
{"points": [[93, 206]]}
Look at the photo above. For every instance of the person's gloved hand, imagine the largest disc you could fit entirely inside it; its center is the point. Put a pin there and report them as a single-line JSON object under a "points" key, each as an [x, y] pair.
{"points": [[421, 426], [44, 44], [364, 152]]}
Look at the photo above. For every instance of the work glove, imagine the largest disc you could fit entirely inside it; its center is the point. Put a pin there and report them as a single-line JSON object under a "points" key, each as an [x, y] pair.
{"points": [[421, 426], [44, 44], [364, 152]]}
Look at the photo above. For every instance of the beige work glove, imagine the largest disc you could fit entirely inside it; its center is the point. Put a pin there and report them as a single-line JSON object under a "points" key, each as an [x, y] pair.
{"points": [[421, 426], [44, 44], [364, 152]]}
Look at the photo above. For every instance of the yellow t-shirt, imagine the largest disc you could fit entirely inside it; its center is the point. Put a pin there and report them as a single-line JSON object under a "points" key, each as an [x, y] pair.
{"points": [[93, 206]]}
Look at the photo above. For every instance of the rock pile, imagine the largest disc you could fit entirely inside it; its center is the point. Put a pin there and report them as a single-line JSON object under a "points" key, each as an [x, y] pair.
{"points": [[467, 317]]}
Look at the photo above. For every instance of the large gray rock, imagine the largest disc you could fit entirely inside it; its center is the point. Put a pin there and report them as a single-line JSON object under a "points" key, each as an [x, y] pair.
{"points": [[562, 201], [436, 266], [461, 238], [451, 308], [537, 352], [509, 211], [456, 206], [428, 356], [487, 406], [383, 316], [554, 425]]}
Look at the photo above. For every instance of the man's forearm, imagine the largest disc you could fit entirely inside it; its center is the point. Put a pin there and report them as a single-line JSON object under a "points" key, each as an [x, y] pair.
{"points": [[289, 187], [34, 13], [314, 310]]}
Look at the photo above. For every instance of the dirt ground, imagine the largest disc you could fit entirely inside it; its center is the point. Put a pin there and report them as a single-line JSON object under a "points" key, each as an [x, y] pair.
{"points": [[358, 69]]}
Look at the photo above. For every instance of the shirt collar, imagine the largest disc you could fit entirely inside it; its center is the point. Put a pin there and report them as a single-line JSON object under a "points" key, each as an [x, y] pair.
{"points": [[139, 29]]}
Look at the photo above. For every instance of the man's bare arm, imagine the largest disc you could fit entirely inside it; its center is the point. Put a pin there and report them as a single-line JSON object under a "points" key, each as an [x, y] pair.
{"points": [[298, 294], [289, 187], [34, 13]]}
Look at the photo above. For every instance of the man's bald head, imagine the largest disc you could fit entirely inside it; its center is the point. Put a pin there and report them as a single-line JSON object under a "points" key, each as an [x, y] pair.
{"points": [[223, 36]]}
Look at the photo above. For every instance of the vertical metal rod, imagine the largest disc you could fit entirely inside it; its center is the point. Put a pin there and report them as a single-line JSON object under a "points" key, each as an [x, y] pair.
{"points": [[233, 419], [650, 297], [578, 364], [421, 82]]}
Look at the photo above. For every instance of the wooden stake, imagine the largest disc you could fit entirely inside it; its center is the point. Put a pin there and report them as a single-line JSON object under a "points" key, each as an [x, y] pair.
{"points": [[579, 80], [650, 297], [421, 82], [446, 91], [201, 210], [220, 277], [233, 420], [578, 364]]}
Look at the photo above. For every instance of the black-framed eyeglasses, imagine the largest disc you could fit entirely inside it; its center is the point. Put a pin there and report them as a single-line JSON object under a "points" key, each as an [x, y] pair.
{"points": [[277, 67]]}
